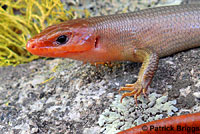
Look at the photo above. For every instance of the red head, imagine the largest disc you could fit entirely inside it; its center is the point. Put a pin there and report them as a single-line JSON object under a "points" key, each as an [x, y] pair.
{"points": [[77, 39], [63, 39]]}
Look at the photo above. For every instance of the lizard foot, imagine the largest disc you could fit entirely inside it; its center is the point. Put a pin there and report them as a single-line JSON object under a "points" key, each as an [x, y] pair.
{"points": [[135, 90]]}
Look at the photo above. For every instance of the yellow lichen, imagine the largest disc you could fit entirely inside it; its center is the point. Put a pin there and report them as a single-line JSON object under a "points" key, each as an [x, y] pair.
{"points": [[20, 20]]}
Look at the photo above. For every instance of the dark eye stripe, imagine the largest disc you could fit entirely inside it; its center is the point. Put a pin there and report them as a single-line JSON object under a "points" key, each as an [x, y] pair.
{"points": [[62, 39]]}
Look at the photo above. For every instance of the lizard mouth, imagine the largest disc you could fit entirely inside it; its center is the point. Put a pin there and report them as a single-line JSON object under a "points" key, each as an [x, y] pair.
{"points": [[48, 51]]}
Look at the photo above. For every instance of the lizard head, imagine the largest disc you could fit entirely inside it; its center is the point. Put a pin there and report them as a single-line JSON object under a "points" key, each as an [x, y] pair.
{"points": [[63, 39]]}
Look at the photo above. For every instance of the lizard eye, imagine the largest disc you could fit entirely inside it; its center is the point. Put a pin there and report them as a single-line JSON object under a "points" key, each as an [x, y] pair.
{"points": [[62, 39]]}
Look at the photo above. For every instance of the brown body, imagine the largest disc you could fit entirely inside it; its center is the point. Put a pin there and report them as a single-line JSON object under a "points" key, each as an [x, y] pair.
{"points": [[164, 30]]}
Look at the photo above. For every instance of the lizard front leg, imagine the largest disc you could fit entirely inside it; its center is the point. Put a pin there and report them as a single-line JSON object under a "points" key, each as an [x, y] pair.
{"points": [[149, 61]]}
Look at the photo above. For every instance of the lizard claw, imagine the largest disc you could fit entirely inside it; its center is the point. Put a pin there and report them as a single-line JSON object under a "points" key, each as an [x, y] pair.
{"points": [[135, 90]]}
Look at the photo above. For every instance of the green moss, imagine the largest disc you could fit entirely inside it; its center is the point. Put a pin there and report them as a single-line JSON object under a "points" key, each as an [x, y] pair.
{"points": [[20, 20]]}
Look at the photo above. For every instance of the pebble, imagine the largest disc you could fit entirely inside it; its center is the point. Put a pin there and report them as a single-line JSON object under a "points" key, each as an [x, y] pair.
{"points": [[197, 95]]}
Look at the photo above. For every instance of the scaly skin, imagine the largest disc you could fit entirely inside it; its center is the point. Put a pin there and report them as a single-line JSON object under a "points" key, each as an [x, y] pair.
{"points": [[142, 36]]}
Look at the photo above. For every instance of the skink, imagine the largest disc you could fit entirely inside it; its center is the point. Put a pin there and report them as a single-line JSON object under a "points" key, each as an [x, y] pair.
{"points": [[141, 36]]}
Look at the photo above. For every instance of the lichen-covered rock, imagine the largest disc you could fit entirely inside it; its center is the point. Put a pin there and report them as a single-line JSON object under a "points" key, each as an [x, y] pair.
{"points": [[121, 116]]}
